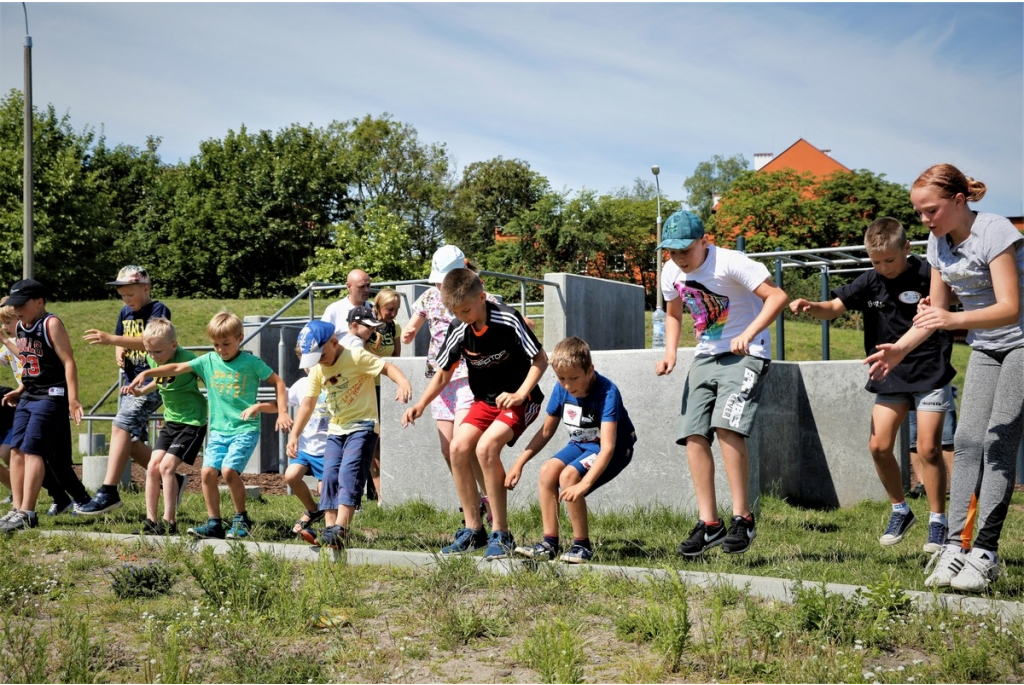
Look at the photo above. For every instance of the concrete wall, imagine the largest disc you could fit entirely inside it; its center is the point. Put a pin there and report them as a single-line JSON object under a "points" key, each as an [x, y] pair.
{"points": [[266, 346], [609, 315], [809, 445]]}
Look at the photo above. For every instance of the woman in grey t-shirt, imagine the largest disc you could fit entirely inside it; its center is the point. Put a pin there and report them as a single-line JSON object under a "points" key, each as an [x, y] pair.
{"points": [[980, 258]]}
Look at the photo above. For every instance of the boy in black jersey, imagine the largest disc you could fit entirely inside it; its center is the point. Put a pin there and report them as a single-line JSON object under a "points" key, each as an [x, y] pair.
{"points": [[504, 362], [888, 295], [41, 435]]}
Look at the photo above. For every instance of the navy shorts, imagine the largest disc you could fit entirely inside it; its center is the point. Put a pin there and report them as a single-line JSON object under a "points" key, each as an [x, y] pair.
{"points": [[42, 427], [581, 456], [181, 440], [346, 467]]}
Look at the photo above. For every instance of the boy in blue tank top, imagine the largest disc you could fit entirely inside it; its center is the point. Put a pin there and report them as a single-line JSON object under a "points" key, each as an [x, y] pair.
{"points": [[41, 435]]}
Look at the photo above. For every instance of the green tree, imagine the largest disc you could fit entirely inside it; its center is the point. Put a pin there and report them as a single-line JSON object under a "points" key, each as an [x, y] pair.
{"points": [[712, 177], [845, 203], [248, 212], [770, 209], [489, 195], [72, 212]]}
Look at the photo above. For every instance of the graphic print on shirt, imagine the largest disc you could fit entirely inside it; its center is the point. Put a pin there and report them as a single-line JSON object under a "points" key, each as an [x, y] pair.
{"points": [[133, 329], [710, 311], [229, 383], [344, 391], [582, 423]]}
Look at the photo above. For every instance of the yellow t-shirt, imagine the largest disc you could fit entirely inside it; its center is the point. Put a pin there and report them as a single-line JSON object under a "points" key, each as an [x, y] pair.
{"points": [[351, 399]]}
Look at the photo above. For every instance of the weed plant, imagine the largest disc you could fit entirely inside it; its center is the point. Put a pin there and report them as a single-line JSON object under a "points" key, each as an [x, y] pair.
{"points": [[139, 582]]}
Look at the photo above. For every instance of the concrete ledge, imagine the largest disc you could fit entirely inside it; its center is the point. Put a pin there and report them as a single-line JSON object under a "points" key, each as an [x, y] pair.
{"points": [[779, 589], [94, 472], [251, 491]]}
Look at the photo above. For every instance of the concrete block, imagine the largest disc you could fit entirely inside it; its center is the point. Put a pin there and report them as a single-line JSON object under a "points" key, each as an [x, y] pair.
{"points": [[310, 482], [98, 446], [94, 471], [609, 315], [421, 343], [251, 491]]}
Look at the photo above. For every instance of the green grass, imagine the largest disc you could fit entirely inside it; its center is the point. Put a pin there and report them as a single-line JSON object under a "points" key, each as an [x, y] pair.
{"points": [[800, 544], [252, 617]]}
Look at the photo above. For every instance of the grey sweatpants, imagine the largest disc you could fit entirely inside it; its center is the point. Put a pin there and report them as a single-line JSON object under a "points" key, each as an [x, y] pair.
{"points": [[986, 442]]}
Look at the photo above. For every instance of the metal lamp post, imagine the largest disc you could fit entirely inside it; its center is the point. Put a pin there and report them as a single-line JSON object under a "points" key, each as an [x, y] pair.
{"points": [[657, 253], [28, 250]]}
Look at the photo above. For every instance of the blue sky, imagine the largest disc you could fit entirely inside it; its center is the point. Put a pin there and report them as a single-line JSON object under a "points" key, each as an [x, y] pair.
{"points": [[591, 95]]}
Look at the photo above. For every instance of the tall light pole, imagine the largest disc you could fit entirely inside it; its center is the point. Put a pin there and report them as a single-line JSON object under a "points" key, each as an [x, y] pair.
{"points": [[657, 236], [27, 251]]}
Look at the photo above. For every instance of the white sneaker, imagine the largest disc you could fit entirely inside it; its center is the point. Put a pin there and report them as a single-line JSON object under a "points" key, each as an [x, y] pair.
{"points": [[977, 573], [8, 516], [948, 562]]}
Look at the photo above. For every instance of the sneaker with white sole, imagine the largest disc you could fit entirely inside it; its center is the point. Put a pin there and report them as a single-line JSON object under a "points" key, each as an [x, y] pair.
{"points": [[8, 516], [977, 573], [101, 503], [466, 540], [22, 520], [702, 538], [899, 524], [742, 532], [947, 563], [57, 509], [937, 533], [578, 554], [499, 545], [541, 551]]}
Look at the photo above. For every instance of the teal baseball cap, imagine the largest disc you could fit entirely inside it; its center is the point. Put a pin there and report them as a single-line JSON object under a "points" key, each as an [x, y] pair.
{"points": [[681, 229]]}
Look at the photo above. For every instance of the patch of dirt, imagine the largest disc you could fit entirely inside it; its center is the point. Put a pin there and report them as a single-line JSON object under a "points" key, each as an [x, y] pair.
{"points": [[269, 483]]}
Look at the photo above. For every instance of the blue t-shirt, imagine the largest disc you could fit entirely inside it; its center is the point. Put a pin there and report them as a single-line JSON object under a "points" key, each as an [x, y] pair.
{"points": [[131, 324], [583, 416]]}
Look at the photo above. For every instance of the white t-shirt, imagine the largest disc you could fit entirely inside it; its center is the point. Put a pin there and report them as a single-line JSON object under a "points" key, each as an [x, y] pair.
{"points": [[336, 314], [966, 269], [314, 436], [720, 296]]}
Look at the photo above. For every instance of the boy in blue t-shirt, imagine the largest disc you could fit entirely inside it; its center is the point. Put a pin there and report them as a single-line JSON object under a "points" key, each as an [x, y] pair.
{"points": [[129, 433], [601, 439], [888, 295]]}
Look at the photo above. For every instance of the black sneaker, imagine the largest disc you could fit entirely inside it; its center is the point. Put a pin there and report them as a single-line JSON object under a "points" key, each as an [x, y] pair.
{"points": [[101, 503], [741, 533], [702, 538], [899, 524], [161, 527]]}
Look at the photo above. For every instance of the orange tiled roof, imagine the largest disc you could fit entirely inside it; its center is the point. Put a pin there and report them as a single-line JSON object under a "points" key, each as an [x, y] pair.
{"points": [[802, 156]]}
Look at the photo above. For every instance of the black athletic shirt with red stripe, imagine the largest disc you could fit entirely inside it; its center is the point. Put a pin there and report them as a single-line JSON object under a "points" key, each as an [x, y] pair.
{"points": [[498, 358], [43, 372]]}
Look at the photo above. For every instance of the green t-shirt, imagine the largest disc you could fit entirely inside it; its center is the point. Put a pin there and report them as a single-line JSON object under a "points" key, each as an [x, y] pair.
{"points": [[183, 402], [231, 388]]}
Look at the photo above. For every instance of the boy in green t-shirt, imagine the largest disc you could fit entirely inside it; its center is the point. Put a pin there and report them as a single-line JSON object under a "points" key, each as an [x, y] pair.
{"points": [[232, 378], [184, 426]]}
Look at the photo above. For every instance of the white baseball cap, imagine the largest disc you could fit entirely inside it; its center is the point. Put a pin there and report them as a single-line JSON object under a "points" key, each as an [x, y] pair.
{"points": [[446, 259]]}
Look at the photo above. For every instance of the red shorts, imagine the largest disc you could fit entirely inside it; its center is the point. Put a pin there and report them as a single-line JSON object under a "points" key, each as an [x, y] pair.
{"points": [[481, 415]]}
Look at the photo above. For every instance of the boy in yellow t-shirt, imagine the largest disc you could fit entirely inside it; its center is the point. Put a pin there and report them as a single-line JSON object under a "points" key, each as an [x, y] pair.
{"points": [[347, 374]]}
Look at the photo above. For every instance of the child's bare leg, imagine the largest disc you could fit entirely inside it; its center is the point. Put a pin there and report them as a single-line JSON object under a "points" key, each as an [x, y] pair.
{"points": [[141, 453], [236, 488], [345, 514], [168, 475], [463, 454], [35, 472], [445, 429], [702, 471], [117, 458], [933, 467], [293, 477], [460, 416], [737, 469], [548, 490], [488, 453], [210, 478], [577, 509], [330, 517], [153, 480], [885, 421], [17, 465]]}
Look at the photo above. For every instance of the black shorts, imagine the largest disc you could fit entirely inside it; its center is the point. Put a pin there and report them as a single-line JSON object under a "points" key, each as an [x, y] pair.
{"points": [[181, 440]]}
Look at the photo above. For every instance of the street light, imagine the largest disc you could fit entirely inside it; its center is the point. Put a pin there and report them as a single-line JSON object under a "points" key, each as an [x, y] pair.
{"points": [[27, 250], [657, 253]]}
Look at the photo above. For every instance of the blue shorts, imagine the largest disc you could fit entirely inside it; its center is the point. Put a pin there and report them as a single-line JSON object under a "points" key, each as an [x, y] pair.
{"points": [[346, 468], [7, 437], [224, 452], [948, 424], [42, 427], [134, 413], [314, 463], [581, 456]]}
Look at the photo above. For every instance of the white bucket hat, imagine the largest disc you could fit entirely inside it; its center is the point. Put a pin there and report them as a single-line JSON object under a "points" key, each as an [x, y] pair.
{"points": [[445, 259]]}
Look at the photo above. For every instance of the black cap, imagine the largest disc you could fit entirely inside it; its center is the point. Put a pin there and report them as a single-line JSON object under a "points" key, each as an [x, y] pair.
{"points": [[363, 315], [22, 292]]}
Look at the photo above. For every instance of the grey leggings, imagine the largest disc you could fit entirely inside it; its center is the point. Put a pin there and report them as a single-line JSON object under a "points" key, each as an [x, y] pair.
{"points": [[986, 442]]}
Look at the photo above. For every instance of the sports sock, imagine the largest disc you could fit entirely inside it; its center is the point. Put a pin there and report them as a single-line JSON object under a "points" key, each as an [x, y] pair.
{"points": [[937, 518], [551, 540], [585, 542], [901, 508], [109, 489], [978, 553], [713, 524]]}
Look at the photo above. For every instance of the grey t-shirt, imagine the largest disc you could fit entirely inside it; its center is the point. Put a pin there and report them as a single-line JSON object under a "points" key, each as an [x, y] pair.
{"points": [[965, 269]]}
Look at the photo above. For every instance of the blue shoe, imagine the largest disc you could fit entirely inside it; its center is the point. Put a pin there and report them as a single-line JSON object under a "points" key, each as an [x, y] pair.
{"points": [[240, 526], [214, 528], [936, 537], [334, 537], [578, 554], [466, 541], [499, 545], [541, 551], [899, 524], [56, 509], [101, 503]]}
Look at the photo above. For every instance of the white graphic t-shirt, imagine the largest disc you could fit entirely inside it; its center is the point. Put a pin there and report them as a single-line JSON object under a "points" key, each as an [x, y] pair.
{"points": [[720, 297]]}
